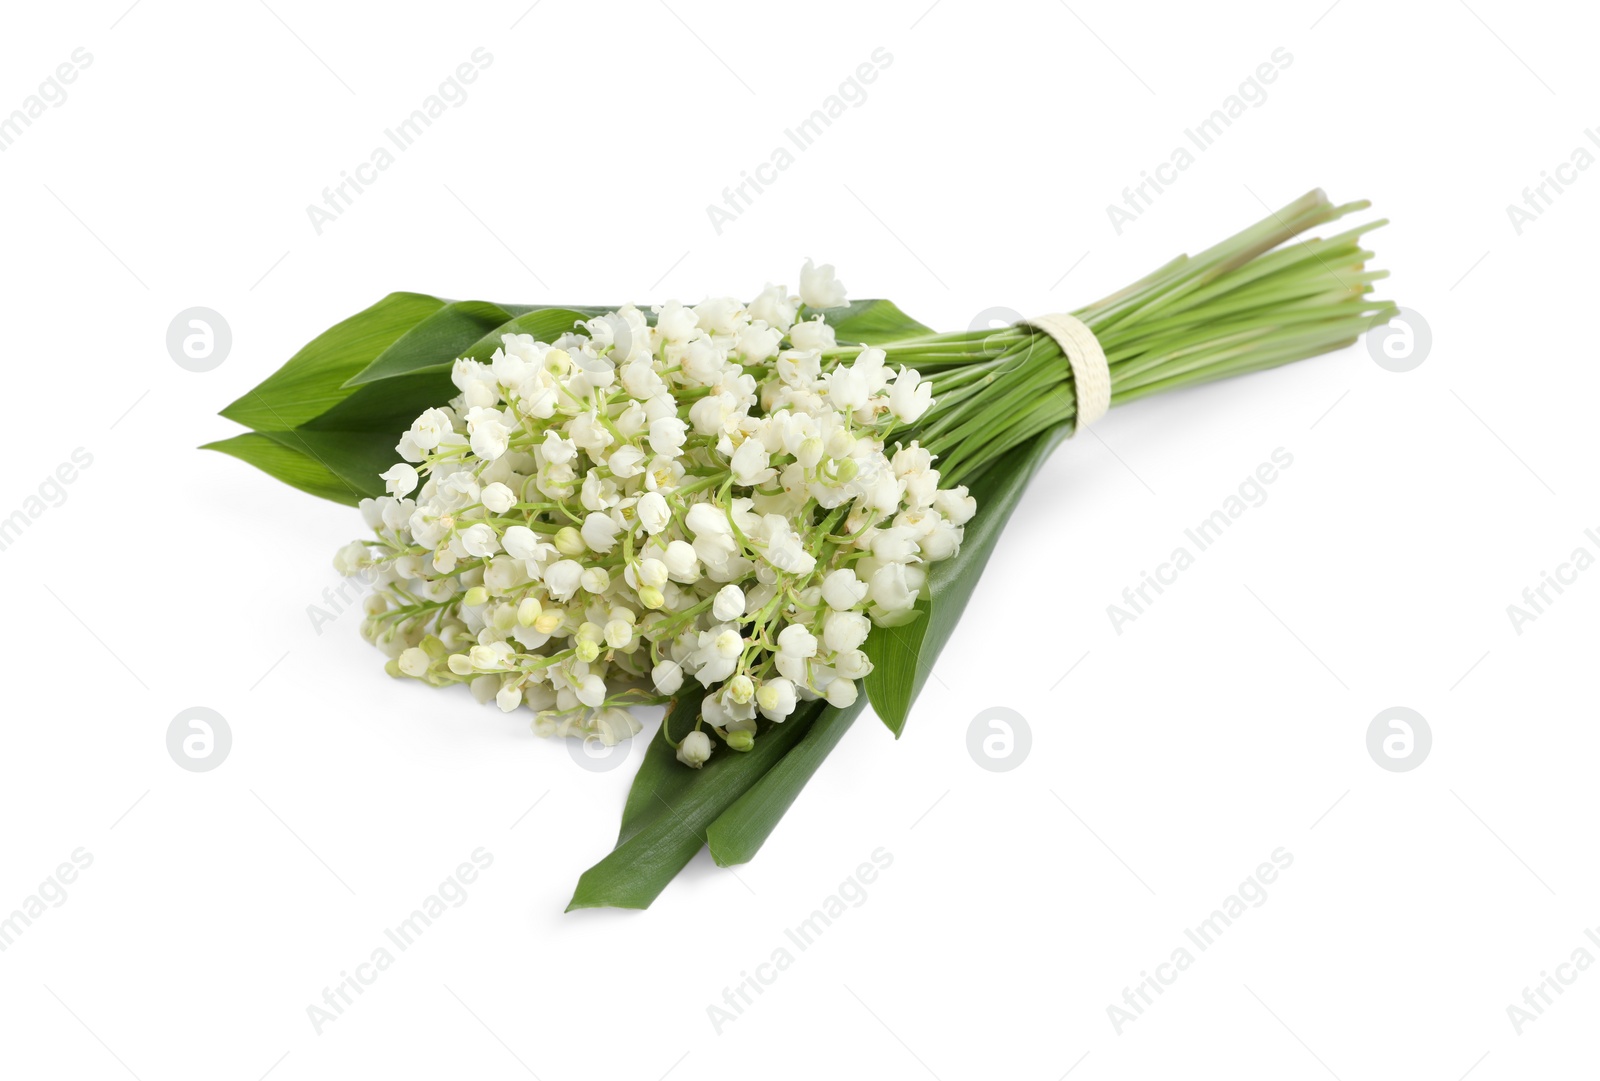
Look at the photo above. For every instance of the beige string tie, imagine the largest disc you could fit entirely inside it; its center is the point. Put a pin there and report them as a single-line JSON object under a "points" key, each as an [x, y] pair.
{"points": [[1091, 375]]}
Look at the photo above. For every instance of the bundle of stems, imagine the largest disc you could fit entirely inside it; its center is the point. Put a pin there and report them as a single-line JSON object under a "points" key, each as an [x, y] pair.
{"points": [[1238, 307]]}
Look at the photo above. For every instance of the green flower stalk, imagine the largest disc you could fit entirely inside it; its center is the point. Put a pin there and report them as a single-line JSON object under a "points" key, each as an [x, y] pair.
{"points": [[1238, 307]]}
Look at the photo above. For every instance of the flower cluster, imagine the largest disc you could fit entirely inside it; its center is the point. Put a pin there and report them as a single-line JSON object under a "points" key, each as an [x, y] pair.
{"points": [[697, 498]]}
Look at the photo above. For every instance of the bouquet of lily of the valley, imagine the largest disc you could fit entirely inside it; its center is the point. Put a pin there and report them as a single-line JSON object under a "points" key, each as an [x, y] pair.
{"points": [[759, 514]]}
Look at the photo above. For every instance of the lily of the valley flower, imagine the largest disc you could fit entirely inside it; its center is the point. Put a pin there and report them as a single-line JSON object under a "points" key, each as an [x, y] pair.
{"points": [[595, 520]]}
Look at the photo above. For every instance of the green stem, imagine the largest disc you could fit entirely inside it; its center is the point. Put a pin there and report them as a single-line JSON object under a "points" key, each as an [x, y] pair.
{"points": [[1253, 301]]}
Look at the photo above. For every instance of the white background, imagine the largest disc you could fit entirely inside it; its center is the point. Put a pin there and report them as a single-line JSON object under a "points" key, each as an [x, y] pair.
{"points": [[1227, 721]]}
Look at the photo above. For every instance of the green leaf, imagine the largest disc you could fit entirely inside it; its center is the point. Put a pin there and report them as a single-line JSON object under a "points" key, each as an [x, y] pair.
{"points": [[668, 814], [312, 381], [468, 328], [355, 458], [388, 406], [354, 440], [903, 656], [873, 321], [289, 465], [435, 343], [661, 779], [347, 460], [739, 832]]}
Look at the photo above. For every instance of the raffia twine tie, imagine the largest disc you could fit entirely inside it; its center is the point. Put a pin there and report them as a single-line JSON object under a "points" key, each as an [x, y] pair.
{"points": [[1091, 375]]}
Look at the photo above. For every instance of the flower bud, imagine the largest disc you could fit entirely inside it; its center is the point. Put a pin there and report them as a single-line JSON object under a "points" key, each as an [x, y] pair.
{"points": [[528, 611], [796, 641], [475, 596], [498, 498], [681, 562], [852, 664], [592, 690], [695, 749], [845, 630], [587, 641], [728, 604], [505, 617], [667, 676], [728, 644], [351, 558], [776, 699], [653, 512], [484, 657], [569, 542], [741, 741], [841, 693], [842, 590], [651, 572]]}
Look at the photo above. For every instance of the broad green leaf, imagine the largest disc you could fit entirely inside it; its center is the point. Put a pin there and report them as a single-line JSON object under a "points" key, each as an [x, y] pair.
{"points": [[312, 381], [873, 321], [436, 342], [740, 831], [903, 656], [289, 465], [352, 457], [388, 406], [469, 328], [661, 779], [669, 817], [355, 458], [354, 440]]}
